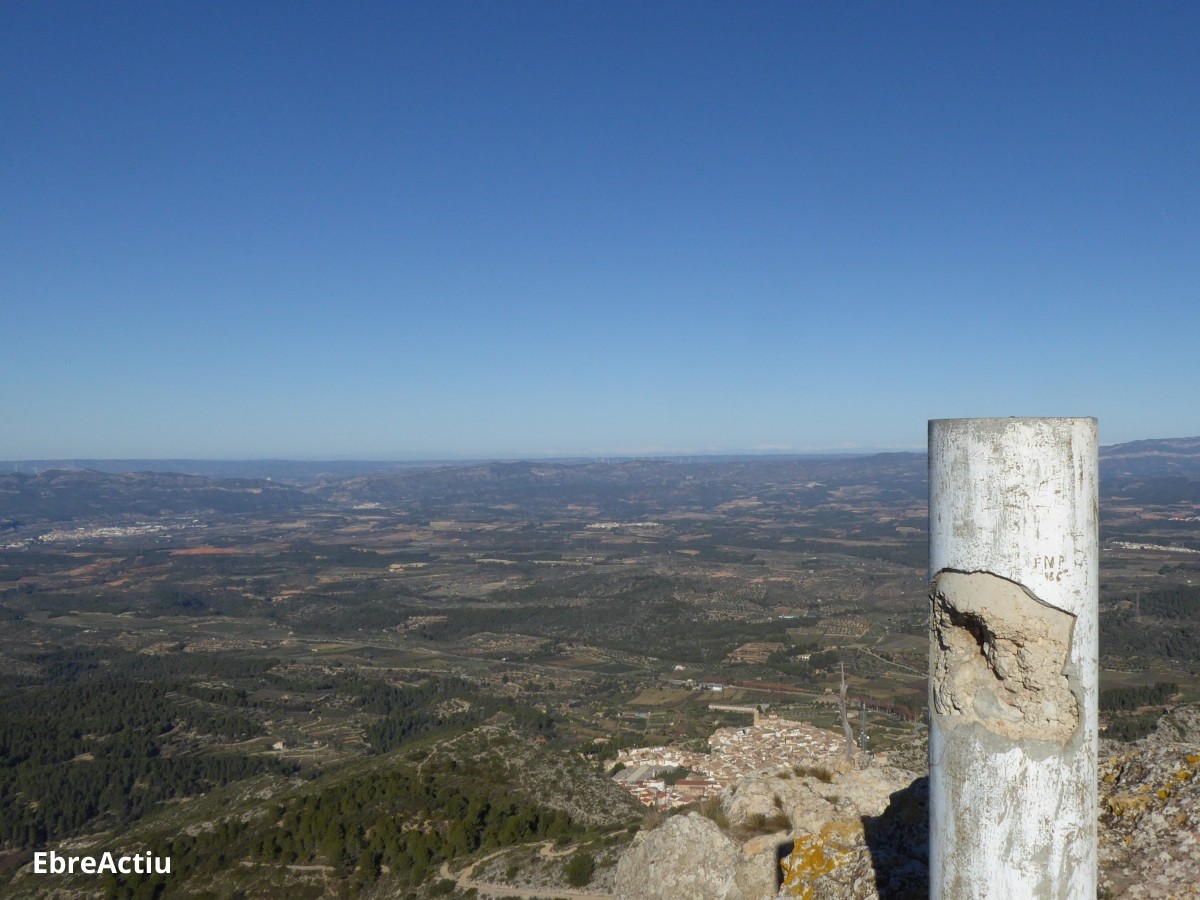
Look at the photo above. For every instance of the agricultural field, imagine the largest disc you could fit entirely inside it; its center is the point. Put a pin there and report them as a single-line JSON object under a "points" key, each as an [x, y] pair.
{"points": [[183, 668]]}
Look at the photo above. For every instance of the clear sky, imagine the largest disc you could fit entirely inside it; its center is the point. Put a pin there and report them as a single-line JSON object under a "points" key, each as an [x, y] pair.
{"points": [[376, 230]]}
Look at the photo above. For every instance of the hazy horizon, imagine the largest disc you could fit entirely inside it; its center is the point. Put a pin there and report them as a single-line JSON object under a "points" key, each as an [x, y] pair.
{"points": [[416, 458], [650, 453]]}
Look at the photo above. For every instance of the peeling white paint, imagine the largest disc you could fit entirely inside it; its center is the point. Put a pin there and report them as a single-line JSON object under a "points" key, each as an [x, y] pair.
{"points": [[1012, 787]]}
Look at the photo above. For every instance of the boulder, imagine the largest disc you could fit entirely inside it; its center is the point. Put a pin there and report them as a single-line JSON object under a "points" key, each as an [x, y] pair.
{"points": [[686, 858]]}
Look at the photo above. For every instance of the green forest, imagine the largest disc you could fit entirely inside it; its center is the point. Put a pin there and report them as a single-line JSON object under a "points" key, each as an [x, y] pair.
{"points": [[383, 822]]}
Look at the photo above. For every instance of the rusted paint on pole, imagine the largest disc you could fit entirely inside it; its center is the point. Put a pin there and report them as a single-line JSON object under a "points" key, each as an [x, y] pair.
{"points": [[1013, 670]]}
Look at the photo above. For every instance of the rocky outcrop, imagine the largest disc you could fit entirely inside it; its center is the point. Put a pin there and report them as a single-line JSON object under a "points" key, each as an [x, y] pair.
{"points": [[861, 833], [758, 865], [811, 797], [688, 856], [884, 855], [830, 828], [1179, 726], [1150, 816]]}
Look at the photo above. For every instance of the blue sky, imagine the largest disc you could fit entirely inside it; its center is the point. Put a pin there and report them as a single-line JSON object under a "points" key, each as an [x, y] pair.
{"points": [[321, 230]]}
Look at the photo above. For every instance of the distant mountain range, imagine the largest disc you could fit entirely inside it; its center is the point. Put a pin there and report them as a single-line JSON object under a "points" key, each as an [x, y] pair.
{"points": [[289, 470], [62, 495], [1159, 457], [1163, 457], [1151, 472]]}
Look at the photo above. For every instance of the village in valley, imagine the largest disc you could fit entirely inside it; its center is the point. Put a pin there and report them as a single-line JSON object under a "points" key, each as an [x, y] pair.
{"points": [[651, 774]]}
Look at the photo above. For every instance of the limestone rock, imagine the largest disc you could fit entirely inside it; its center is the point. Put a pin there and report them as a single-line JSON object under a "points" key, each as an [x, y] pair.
{"points": [[1180, 726], [762, 796], [1150, 819], [686, 858], [862, 833], [840, 824], [757, 876], [809, 801], [865, 856]]}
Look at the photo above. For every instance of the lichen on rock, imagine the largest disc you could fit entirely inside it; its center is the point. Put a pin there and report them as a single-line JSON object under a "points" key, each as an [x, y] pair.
{"points": [[863, 834], [814, 856]]}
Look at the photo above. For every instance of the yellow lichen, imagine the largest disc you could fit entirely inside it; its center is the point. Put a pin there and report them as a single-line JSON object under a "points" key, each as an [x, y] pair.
{"points": [[1185, 774], [1192, 760], [1124, 803], [814, 856], [1163, 793]]}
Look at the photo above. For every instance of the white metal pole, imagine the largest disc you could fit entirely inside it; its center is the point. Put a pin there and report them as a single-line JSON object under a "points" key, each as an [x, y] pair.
{"points": [[1013, 669]]}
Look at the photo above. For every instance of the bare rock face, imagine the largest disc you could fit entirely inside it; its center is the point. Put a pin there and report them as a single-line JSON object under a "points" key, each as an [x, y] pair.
{"points": [[861, 833], [758, 797], [844, 833], [758, 867], [874, 845], [853, 832], [1150, 817], [686, 858], [808, 799], [1180, 726], [833, 831]]}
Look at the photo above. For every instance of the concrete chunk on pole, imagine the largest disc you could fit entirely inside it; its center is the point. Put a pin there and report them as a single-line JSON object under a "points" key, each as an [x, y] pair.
{"points": [[1013, 668]]}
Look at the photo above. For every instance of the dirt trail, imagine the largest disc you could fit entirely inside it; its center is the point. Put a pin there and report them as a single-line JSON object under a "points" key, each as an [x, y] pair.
{"points": [[489, 889]]}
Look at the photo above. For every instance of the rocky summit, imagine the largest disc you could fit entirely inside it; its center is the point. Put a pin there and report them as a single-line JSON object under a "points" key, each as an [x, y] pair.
{"points": [[1150, 811], [841, 831]]}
